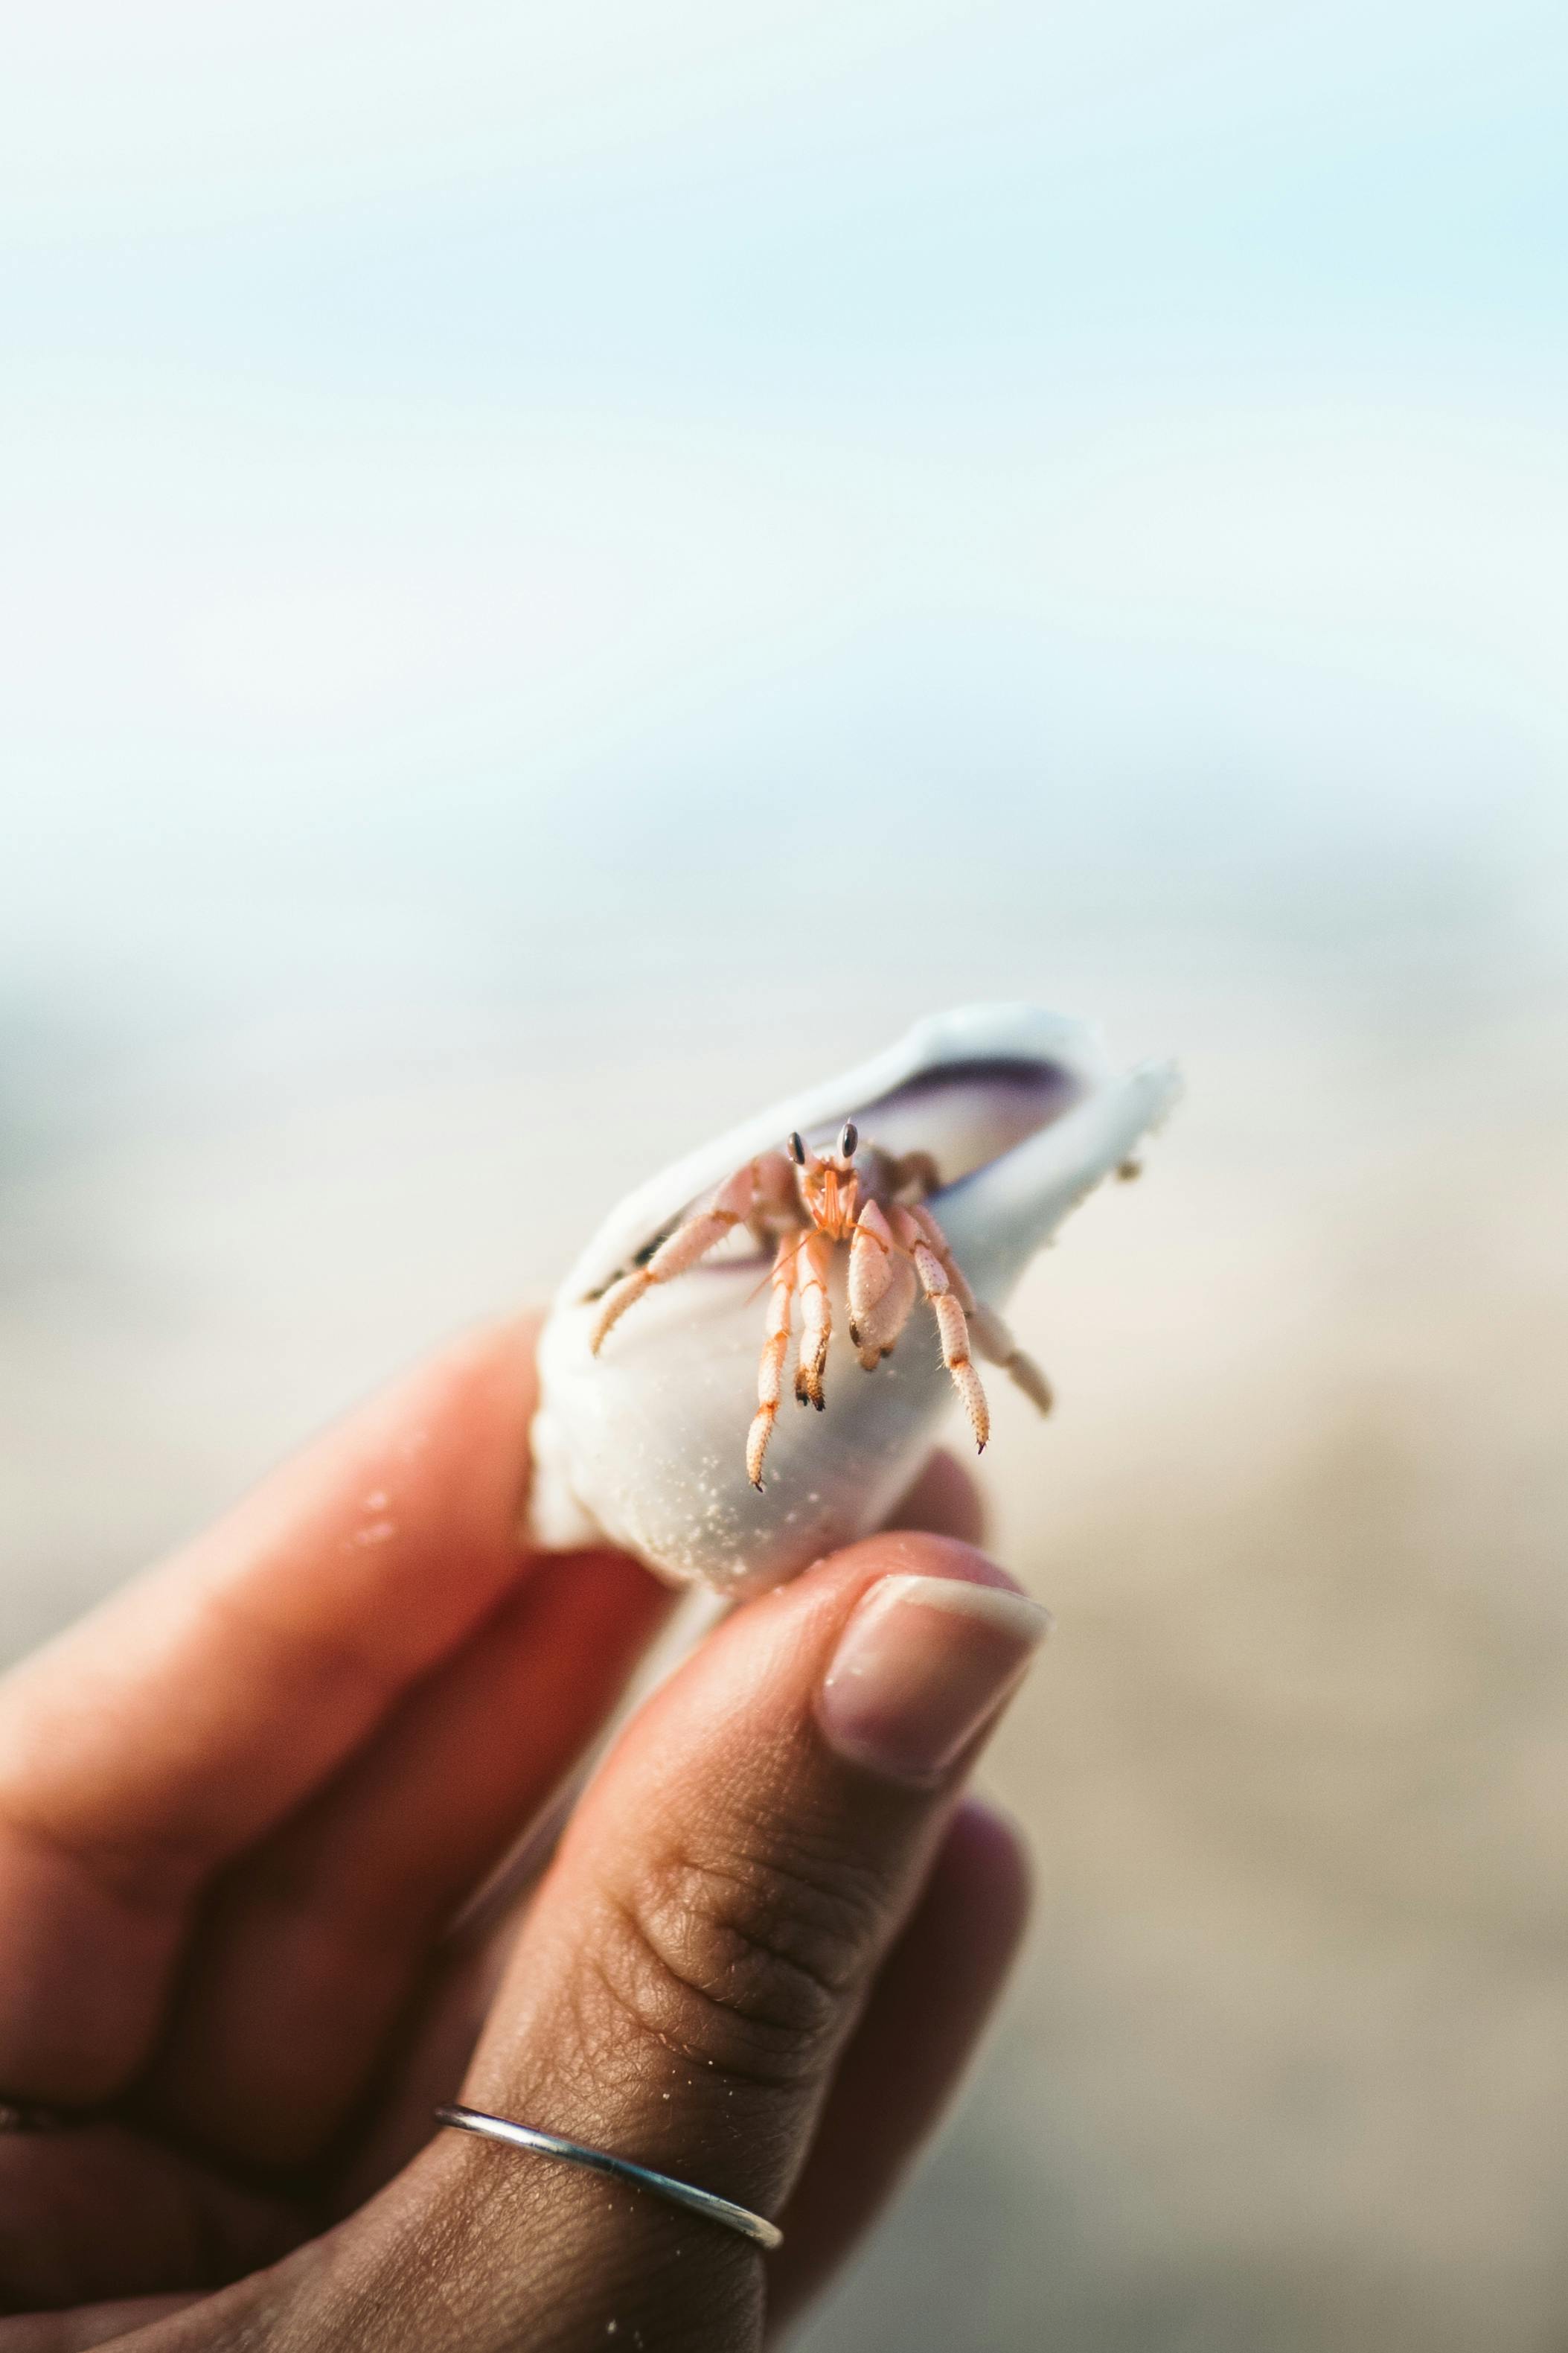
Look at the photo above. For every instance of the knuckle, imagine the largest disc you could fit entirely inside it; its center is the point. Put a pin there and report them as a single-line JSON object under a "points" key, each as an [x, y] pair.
{"points": [[748, 1967]]}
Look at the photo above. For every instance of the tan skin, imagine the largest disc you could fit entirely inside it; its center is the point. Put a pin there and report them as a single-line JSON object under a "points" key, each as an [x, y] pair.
{"points": [[239, 1807]]}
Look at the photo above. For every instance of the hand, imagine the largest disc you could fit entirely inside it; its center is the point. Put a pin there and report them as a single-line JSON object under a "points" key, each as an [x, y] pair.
{"points": [[240, 1805]]}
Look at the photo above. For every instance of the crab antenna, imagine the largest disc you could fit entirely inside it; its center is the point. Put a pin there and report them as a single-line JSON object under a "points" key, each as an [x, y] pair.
{"points": [[848, 1140], [796, 1149]]}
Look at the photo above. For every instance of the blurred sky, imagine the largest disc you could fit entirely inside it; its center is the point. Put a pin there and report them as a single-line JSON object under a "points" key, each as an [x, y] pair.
{"points": [[494, 497]]}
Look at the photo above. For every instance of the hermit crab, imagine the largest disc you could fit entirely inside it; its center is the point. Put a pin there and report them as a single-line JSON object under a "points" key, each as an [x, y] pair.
{"points": [[803, 1205], [932, 1173]]}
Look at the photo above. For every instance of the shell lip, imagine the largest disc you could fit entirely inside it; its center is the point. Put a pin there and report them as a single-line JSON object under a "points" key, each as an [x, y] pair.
{"points": [[986, 1037]]}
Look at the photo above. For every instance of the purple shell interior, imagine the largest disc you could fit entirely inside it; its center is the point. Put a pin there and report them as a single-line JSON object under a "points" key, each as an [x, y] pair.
{"points": [[964, 1113]]}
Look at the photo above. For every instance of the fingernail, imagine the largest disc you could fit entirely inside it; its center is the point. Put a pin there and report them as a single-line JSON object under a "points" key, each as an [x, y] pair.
{"points": [[922, 1665]]}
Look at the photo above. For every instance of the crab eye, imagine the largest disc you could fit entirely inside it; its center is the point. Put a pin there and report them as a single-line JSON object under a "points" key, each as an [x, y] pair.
{"points": [[848, 1140], [797, 1150]]}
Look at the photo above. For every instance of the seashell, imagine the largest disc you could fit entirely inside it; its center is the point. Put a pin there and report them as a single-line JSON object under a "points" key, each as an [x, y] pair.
{"points": [[643, 1445]]}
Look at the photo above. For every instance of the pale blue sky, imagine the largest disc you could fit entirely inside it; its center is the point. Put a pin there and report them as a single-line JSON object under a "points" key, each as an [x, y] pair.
{"points": [[457, 455]]}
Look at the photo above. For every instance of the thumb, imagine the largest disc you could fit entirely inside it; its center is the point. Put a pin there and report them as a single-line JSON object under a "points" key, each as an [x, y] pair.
{"points": [[700, 1950]]}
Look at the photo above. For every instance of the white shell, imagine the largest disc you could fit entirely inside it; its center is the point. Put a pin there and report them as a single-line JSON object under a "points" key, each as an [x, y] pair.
{"points": [[644, 1445]]}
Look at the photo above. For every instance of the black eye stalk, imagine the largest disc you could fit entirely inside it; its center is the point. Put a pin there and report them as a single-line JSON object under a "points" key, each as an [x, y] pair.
{"points": [[848, 1140], [797, 1150]]}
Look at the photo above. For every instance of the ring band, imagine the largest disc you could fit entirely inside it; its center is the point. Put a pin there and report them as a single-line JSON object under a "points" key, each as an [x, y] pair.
{"points": [[755, 2227]]}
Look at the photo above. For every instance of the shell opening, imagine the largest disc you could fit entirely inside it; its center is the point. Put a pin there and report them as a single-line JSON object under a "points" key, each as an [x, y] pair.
{"points": [[967, 1113], [963, 1114]]}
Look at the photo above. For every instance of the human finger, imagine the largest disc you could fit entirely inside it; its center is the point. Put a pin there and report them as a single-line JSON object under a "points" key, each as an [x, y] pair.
{"points": [[87, 2325], [928, 2008], [97, 2210], [270, 2052], [942, 1501], [209, 1699], [696, 1960], [931, 2001], [310, 1947]]}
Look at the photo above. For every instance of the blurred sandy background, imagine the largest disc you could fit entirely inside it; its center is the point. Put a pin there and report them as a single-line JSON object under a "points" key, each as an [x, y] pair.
{"points": [[561, 575]]}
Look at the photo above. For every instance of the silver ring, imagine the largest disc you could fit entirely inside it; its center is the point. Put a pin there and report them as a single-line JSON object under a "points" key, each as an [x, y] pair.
{"points": [[755, 2227]]}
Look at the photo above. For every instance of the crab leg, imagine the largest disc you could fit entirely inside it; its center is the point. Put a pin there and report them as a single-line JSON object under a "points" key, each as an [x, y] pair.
{"points": [[879, 1333], [882, 1287], [996, 1345], [949, 1320], [775, 1347], [917, 1214], [871, 1263], [815, 1318], [989, 1335], [691, 1240]]}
